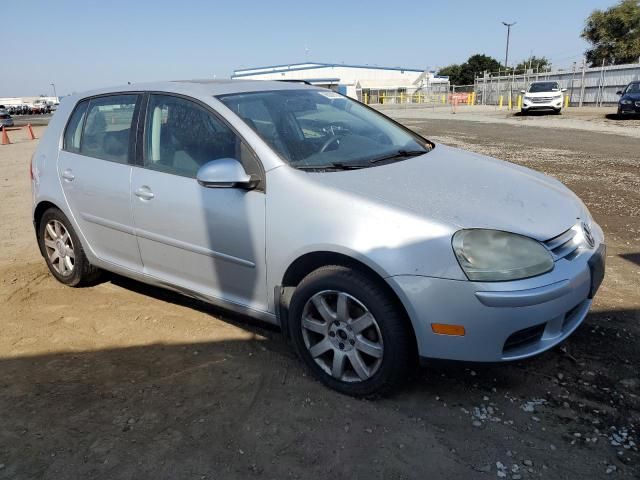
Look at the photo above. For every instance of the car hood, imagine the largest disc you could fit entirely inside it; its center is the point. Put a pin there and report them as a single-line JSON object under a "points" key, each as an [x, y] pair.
{"points": [[631, 96], [466, 190], [543, 94]]}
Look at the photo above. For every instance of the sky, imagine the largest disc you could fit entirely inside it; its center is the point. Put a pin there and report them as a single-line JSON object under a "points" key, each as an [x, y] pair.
{"points": [[84, 44]]}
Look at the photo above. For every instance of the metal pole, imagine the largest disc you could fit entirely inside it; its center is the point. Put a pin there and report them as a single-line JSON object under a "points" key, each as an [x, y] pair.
{"points": [[604, 72], [600, 83], [584, 66], [506, 55], [573, 76]]}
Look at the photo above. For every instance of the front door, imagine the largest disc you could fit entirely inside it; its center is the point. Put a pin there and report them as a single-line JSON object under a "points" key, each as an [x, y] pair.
{"points": [[95, 173], [207, 240]]}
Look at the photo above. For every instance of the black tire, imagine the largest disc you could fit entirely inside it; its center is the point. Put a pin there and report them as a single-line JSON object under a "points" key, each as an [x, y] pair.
{"points": [[523, 112], [557, 111], [83, 273], [398, 355]]}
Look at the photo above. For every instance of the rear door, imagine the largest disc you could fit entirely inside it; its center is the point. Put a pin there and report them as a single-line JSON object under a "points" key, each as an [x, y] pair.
{"points": [[95, 172]]}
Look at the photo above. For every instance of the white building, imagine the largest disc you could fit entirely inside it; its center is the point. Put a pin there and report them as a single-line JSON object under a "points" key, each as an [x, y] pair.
{"points": [[366, 83], [15, 101]]}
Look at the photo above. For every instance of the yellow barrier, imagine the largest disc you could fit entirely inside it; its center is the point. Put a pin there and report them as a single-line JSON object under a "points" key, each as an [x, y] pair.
{"points": [[500, 99], [444, 98], [519, 101], [473, 98], [566, 101]]}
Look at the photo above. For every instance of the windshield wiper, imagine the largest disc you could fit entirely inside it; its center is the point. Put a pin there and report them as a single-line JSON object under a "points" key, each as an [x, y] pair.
{"points": [[399, 154], [333, 166]]}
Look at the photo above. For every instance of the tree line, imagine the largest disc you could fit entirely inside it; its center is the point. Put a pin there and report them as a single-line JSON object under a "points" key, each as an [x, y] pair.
{"points": [[614, 35]]}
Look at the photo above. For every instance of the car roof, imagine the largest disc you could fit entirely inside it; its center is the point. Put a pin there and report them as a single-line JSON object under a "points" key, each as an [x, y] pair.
{"points": [[200, 87]]}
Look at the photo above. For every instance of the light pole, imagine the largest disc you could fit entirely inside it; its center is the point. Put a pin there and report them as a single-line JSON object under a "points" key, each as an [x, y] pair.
{"points": [[54, 91], [506, 55]]}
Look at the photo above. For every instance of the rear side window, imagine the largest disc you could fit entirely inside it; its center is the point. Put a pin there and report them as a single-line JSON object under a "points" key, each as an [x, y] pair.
{"points": [[107, 128], [73, 132]]}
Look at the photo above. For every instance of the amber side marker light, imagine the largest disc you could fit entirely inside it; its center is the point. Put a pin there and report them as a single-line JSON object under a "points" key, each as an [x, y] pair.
{"points": [[444, 329]]}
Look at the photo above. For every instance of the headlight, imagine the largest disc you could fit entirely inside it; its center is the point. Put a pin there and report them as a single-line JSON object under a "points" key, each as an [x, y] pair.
{"points": [[626, 101], [527, 97], [558, 96], [495, 256]]}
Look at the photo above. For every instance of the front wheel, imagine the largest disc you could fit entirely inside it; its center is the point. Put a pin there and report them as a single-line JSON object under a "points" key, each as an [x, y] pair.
{"points": [[557, 111], [350, 332]]}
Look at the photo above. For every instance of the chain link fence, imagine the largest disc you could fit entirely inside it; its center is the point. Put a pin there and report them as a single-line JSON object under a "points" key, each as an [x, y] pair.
{"points": [[595, 86]]}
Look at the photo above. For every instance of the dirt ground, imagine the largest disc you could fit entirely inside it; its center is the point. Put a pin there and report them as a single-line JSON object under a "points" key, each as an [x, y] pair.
{"points": [[122, 380]]}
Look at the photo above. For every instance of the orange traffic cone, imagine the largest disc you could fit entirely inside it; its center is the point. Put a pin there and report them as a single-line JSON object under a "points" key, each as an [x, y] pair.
{"points": [[5, 137], [30, 132]]}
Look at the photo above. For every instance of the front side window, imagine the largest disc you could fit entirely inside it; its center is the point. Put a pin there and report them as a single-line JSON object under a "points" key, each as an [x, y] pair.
{"points": [[73, 132], [108, 126], [181, 136], [322, 129]]}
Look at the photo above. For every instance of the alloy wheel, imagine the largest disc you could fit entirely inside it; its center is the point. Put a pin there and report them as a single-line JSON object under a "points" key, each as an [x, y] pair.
{"points": [[59, 248], [342, 336]]}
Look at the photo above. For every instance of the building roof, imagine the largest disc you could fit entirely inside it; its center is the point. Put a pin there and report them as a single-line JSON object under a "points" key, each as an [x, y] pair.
{"points": [[293, 67]]}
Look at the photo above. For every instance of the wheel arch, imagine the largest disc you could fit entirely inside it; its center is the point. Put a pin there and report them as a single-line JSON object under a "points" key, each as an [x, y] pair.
{"points": [[308, 262], [38, 212]]}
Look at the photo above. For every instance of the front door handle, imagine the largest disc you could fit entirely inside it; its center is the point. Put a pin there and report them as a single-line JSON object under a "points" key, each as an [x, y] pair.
{"points": [[68, 175], [144, 193]]}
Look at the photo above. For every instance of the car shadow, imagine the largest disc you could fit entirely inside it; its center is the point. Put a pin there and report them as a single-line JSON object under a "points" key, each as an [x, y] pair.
{"points": [[615, 116], [631, 257], [233, 408]]}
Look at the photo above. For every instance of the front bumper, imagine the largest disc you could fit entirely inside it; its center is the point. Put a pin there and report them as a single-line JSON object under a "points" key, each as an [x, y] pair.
{"points": [[555, 104], [633, 108], [502, 320]]}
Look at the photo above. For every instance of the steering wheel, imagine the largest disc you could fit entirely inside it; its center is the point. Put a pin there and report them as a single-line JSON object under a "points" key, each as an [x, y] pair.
{"points": [[331, 140]]}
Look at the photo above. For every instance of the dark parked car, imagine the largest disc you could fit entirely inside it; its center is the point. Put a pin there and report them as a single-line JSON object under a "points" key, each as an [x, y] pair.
{"points": [[629, 102], [5, 119]]}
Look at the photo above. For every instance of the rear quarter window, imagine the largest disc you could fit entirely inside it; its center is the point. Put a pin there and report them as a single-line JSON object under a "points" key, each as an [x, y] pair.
{"points": [[73, 130]]}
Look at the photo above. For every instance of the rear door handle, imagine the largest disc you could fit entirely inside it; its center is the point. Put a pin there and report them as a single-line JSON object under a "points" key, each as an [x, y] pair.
{"points": [[68, 175], [144, 193]]}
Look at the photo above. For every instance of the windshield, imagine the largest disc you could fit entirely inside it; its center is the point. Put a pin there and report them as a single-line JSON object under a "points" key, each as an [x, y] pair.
{"points": [[320, 128], [633, 88], [543, 87]]}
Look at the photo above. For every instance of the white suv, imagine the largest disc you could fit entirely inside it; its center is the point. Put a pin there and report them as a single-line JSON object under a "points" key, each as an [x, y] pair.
{"points": [[543, 96]]}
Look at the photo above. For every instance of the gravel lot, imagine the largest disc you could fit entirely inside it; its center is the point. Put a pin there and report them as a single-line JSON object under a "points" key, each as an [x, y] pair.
{"points": [[122, 380]]}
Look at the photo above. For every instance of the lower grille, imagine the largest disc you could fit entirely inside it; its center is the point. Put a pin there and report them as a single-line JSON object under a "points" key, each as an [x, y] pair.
{"points": [[524, 337], [568, 317]]}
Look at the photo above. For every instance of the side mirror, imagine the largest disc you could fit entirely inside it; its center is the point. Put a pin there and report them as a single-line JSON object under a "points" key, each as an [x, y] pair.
{"points": [[563, 90], [225, 173], [523, 91], [619, 92]]}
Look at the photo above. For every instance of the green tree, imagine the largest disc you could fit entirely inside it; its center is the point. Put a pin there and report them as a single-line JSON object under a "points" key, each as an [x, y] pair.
{"points": [[614, 34], [465, 73], [453, 72], [537, 63]]}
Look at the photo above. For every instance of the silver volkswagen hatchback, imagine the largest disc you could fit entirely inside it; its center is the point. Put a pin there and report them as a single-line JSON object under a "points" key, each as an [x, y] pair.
{"points": [[370, 246]]}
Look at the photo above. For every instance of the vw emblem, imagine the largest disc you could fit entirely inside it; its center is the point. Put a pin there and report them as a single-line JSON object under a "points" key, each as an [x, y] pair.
{"points": [[588, 236]]}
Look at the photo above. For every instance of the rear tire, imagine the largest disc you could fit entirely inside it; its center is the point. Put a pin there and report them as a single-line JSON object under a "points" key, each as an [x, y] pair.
{"points": [[349, 332], [63, 251]]}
